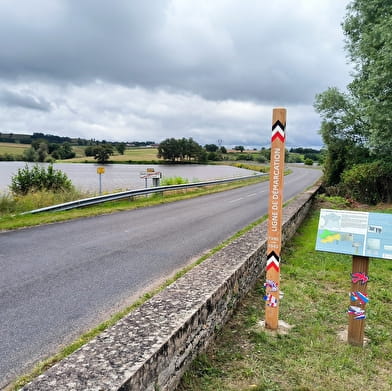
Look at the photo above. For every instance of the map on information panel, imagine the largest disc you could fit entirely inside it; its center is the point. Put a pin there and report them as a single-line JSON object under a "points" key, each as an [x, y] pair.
{"points": [[355, 233]]}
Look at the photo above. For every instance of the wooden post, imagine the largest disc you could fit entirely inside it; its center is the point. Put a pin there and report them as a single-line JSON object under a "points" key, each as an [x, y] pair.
{"points": [[356, 327], [274, 239]]}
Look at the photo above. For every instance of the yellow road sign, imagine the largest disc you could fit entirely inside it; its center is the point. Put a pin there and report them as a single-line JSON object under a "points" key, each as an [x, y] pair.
{"points": [[100, 170]]}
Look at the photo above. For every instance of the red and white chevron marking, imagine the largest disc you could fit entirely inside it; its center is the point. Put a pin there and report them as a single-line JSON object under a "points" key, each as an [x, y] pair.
{"points": [[278, 131], [273, 261]]}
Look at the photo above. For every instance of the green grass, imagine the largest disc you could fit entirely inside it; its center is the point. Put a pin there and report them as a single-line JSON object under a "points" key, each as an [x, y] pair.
{"points": [[10, 220], [13, 149], [311, 357]]}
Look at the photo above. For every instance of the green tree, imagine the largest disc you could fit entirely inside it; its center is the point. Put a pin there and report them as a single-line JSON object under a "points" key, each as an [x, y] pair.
{"points": [[169, 149], [357, 125], [42, 151], [369, 43], [343, 132], [30, 155], [120, 148], [240, 148], [66, 151], [195, 151], [90, 150], [103, 152], [211, 148], [181, 149]]}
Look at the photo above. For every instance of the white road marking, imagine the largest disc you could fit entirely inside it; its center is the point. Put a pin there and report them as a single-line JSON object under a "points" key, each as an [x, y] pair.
{"points": [[238, 199], [251, 195]]}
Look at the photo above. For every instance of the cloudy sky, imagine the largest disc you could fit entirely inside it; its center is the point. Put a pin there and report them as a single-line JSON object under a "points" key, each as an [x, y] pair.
{"points": [[136, 70]]}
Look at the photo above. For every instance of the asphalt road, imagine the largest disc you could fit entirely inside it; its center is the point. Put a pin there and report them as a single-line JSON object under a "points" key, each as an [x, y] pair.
{"points": [[59, 280]]}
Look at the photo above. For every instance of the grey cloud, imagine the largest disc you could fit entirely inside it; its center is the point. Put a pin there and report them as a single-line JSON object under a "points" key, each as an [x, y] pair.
{"points": [[148, 69], [244, 51], [24, 100]]}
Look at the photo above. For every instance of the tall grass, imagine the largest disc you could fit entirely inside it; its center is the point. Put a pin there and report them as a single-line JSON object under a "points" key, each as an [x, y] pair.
{"points": [[13, 204]]}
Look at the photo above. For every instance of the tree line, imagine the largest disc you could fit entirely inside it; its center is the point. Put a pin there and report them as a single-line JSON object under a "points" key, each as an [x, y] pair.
{"points": [[357, 123], [19, 138]]}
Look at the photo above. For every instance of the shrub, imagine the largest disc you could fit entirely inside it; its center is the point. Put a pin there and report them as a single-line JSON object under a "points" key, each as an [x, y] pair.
{"points": [[308, 162], [369, 182], [38, 178], [261, 159], [213, 156], [244, 156], [177, 180]]}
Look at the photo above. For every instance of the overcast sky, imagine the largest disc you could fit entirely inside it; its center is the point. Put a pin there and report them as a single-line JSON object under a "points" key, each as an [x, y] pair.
{"points": [[136, 70]]}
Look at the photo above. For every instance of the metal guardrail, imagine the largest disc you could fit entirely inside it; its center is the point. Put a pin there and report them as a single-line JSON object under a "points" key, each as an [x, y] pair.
{"points": [[131, 193]]}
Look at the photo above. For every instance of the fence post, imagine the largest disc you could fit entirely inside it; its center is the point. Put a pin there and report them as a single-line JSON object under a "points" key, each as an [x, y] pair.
{"points": [[356, 324]]}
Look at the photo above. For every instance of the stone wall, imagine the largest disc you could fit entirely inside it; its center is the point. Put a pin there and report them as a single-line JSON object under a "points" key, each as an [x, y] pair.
{"points": [[152, 347]]}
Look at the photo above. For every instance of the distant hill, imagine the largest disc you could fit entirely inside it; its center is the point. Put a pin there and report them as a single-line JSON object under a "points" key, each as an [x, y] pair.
{"points": [[50, 138]]}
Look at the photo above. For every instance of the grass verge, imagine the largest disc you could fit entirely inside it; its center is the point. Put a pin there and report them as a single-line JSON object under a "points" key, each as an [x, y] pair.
{"points": [[15, 221], [311, 357]]}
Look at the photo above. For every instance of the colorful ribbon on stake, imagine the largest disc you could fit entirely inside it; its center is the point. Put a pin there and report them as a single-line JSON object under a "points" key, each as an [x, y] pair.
{"points": [[271, 300], [358, 312], [359, 296], [362, 278], [271, 285]]}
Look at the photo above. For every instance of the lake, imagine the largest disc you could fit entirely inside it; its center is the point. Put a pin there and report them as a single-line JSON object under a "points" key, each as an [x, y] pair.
{"points": [[123, 176]]}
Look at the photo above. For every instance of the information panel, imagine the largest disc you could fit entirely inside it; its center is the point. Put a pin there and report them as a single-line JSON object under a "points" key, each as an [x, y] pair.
{"points": [[355, 233]]}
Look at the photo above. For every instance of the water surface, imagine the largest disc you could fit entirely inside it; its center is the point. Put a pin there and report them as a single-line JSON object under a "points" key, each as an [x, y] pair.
{"points": [[123, 176]]}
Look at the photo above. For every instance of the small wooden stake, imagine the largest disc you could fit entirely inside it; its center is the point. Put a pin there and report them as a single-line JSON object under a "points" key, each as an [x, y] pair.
{"points": [[274, 239], [356, 327]]}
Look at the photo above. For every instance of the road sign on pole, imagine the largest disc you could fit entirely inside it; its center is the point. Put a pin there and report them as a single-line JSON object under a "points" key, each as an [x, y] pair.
{"points": [[274, 239], [100, 171]]}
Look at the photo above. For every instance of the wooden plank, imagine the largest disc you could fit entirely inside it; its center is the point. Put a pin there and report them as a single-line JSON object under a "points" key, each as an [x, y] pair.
{"points": [[274, 239], [356, 327]]}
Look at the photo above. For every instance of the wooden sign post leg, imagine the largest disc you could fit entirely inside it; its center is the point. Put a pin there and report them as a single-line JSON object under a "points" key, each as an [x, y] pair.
{"points": [[274, 239], [356, 324]]}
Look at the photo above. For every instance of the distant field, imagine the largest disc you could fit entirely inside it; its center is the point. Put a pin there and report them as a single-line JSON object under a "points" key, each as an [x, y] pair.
{"points": [[79, 150], [134, 154], [13, 149], [139, 154]]}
